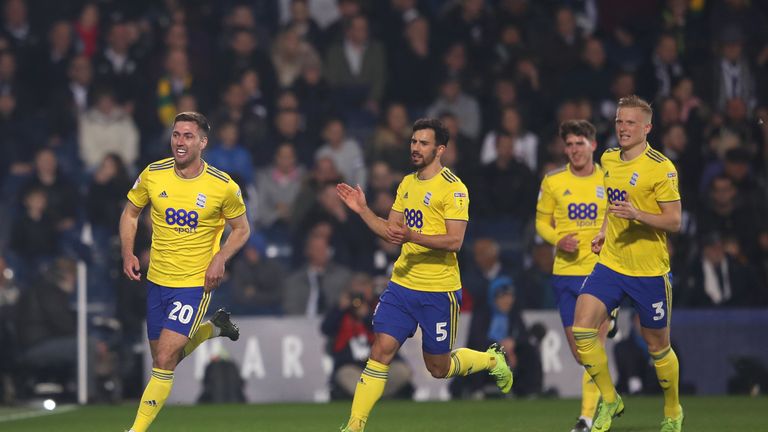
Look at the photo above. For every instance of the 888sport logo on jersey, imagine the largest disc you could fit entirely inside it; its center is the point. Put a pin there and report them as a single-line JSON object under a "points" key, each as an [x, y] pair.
{"points": [[181, 220]]}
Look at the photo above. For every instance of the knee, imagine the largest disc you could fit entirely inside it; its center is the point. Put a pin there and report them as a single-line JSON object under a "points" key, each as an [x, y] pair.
{"points": [[166, 360], [438, 370]]}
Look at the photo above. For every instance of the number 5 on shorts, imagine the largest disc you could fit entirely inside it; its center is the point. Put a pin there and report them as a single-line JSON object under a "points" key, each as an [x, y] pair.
{"points": [[442, 333]]}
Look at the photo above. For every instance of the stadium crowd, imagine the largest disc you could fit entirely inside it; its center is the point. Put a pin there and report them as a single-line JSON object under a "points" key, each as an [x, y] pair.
{"points": [[304, 94]]}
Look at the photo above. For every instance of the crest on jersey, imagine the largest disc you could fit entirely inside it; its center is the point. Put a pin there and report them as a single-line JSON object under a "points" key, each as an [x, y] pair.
{"points": [[633, 180], [200, 200], [427, 198], [460, 198], [600, 192]]}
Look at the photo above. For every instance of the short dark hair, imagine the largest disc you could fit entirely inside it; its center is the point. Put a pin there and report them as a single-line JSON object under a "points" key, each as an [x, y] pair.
{"points": [[194, 117], [578, 128], [441, 133]]}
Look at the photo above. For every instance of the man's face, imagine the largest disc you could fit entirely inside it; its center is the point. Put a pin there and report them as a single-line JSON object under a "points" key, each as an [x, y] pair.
{"points": [[632, 126], [579, 150], [187, 143], [723, 192], [424, 149]]}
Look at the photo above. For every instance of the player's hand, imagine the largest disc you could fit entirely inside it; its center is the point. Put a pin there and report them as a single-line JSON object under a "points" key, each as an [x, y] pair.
{"points": [[569, 243], [624, 209], [354, 198], [398, 233], [597, 243], [214, 274], [131, 268]]}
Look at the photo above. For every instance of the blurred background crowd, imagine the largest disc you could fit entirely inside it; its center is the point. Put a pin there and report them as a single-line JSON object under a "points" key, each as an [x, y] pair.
{"points": [[303, 94]]}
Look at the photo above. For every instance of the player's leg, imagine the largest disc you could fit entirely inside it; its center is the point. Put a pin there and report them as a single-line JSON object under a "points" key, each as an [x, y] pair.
{"points": [[652, 298], [172, 315], [220, 324], [567, 291], [158, 389], [392, 325], [600, 293], [439, 321]]}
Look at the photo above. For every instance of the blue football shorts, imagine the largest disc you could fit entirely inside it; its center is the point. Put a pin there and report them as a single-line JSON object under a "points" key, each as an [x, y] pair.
{"points": [[401, 309], [178, 309], [651, 295], [566, 291]]}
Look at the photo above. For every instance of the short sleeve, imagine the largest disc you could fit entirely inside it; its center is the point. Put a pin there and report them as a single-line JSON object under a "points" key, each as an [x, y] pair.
{"points": [[398, 205], [546, 201], [456, 202], [139, 194], [233, 205], [665, 187]]}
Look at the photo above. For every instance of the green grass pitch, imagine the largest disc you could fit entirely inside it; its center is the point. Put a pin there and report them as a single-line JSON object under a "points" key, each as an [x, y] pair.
{"points": [[703, 414]]}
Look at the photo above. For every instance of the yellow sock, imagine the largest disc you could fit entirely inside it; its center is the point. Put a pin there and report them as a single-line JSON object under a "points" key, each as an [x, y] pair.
{"points": [[595, 361], [465, 361], [206, 331], [153, 399], [668, 373], [368, 391], [590, 395]]}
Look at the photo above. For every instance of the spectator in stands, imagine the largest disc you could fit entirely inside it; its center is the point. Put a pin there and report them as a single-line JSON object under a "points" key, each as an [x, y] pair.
{"points": [[465, 107], [471, 23], [303, 24], [34, 238], [87, 29], [316, 286], [116, 66], [251, 129], [107, 128], [717, 279], [476, 282], [324, 172], [278, 186], [243, 53], [349, 328], [287, 129], [467, 150], [229, 155], [659, 73], [389, 141], [71, 99], [534, 286], [315, 95], [733, 74], [382, 179], [560, 52], [356, 67], [345, 152], [177, 80], [255, 99], [63, 199], [335, 32], [590, 76], [50, 66], [526, 147], [257, 287], [290, 53], [505, 185], [411, 66]]}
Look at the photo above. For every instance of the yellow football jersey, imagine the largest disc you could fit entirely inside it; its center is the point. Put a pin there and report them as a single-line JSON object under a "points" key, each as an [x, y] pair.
{"points": [[577, 205], [188, 217], [633, 248], [426, 205]]}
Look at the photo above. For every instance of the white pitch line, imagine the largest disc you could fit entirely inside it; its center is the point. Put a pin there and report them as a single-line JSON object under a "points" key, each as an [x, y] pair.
{"points": [[36, 413]]}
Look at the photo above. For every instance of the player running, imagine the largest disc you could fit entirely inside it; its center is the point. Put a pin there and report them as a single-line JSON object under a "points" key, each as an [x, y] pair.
{"points": [[643, 205], [569, 214], [428, 219], [190, 203]]}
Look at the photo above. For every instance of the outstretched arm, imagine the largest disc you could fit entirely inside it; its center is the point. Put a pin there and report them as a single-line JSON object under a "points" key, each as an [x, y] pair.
{"points": [[354, 198]]}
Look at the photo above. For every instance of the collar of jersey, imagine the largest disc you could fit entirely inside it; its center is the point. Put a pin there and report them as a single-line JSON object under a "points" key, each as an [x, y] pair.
{"points": [[647, 148], [202, 171], [416, 175]]}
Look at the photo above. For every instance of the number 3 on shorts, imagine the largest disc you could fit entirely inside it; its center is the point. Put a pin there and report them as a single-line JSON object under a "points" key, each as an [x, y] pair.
{"points": [[442, 334], [184, 311], [659, 311]]}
